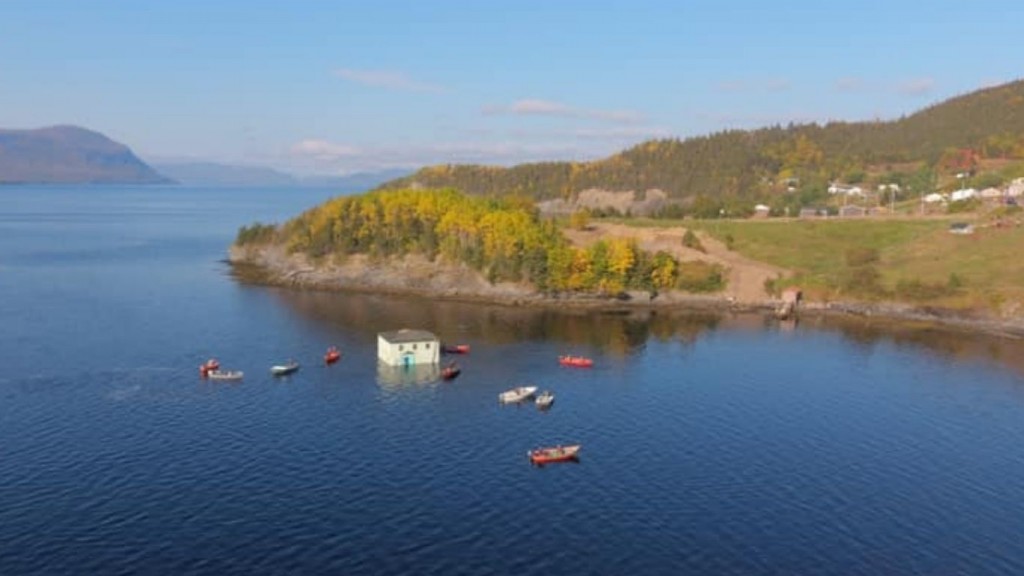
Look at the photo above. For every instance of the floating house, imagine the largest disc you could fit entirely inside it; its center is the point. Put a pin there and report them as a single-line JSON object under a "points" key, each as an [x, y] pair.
{"points": [[407, 347]]}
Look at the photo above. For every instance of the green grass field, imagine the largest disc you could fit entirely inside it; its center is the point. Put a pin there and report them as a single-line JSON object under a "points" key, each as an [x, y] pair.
{"points": [[988, 265]]}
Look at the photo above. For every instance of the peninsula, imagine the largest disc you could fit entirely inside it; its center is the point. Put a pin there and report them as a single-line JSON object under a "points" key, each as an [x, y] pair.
{"points": [[913, 218]]}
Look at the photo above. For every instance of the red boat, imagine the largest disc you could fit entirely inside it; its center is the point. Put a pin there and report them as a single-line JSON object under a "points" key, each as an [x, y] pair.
{"points": [[332, 355], [577, 361], [555, 454], [457, 349], [208, 366], [451, 371]]}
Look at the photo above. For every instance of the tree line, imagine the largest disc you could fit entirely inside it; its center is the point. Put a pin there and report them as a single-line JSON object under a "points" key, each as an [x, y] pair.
{"points": [[504, 238], [736, 168]]}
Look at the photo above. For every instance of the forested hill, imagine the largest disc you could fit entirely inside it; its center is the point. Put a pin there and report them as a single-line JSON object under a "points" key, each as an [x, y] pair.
{"points": [[948, 136]]}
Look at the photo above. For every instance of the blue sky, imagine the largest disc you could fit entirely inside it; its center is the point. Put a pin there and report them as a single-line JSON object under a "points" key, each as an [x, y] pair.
{"points": [[339, 87]]}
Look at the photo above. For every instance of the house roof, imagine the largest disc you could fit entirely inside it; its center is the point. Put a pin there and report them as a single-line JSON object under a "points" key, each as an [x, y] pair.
{"points": [[407, 335]]}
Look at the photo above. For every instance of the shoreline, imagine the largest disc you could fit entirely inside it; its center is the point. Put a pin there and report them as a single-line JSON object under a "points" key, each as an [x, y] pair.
{"points": [[269, 266]]}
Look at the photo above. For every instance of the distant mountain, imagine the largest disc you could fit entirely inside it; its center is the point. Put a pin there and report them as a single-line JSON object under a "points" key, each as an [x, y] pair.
{"points": [[943, 139], [231, 175], [70, 155], [227, 175], [357, 181]]}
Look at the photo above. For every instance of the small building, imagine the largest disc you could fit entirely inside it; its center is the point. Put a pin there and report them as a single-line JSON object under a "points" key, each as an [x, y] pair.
{"points": [[762, 211], [812, 212], [408, 347], [964, 194], [934, 197], [792, 295], [846, 189], [790, 300], [1016, 188], [991, 194], [850, 211]]}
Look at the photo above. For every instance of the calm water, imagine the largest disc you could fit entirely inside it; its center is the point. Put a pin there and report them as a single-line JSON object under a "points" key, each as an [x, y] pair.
{"points": [[712, 445]]}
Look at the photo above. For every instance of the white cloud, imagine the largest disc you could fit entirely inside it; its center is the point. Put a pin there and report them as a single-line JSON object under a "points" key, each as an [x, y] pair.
{"points": [[537, 107], [916, 86], [542, 107], [387, 79], [323, 150]]}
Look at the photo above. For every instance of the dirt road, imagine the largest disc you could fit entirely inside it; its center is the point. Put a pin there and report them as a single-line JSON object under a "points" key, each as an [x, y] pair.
{"points": [[746, 276]]}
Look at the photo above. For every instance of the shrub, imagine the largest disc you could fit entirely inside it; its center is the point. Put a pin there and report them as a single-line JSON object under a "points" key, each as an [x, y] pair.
{"points": [[862, 280], [690, 240], [580, 219]]}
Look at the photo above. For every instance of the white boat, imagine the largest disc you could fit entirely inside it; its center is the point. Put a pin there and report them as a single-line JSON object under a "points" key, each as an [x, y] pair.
{"points": [[516, 394], [283, 369], [225, 375], [545, 399]]}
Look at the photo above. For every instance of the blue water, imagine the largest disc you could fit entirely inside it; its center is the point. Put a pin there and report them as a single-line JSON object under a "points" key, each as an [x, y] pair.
{"points": [[712, 444]]}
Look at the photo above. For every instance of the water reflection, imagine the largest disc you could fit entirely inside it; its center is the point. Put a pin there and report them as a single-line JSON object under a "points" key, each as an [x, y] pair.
{"points": [[396, 376], [623, 332], [616, 333]]}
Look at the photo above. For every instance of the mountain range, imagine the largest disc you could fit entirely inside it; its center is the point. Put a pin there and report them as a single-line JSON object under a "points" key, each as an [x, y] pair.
{"points": [[69, 154], [73, 155], [234, 175]]}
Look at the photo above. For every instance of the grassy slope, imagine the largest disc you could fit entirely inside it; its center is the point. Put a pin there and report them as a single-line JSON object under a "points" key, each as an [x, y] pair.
{"points": [[988, 262]]}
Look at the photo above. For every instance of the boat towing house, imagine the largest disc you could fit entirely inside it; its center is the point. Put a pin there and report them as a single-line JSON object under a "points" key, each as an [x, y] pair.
{"points": [[407, 347]]}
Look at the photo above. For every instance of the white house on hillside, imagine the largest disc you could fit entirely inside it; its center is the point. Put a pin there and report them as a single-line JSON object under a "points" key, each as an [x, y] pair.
{"points": [[845, 189], [407, 347], [965, 194], [1016, 188], [991, 193]]}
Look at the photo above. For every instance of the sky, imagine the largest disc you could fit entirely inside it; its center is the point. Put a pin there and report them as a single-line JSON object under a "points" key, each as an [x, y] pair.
{"points": [[337, 87]]}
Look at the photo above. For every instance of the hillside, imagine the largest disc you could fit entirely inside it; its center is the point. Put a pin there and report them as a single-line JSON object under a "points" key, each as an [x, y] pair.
{"points": [[760, 164], [69, 154]]}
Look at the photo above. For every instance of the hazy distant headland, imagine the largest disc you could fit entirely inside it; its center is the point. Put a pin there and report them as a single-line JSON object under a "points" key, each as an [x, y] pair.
{"points": [[70, 155], [215, 174]]}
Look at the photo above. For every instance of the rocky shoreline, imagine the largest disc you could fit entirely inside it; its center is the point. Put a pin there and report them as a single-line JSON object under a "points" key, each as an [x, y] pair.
{"points": [[415, 275]]}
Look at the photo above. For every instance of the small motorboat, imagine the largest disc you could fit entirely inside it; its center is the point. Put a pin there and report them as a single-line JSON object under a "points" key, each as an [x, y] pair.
{"points": [[542, 456], [545, 399], [577, 361], [284, 369], [456, 349], [451, 371], [516, 394], [209, 366], [225, 374], [332, 355]]}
